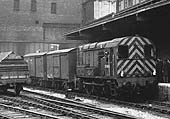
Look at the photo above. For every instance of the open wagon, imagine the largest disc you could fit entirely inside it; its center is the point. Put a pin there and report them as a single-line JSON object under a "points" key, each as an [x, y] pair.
{"points": [[13, 72]]}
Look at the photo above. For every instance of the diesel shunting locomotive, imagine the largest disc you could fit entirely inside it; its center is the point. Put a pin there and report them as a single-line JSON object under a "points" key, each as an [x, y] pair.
{"points": [[115, 68]]}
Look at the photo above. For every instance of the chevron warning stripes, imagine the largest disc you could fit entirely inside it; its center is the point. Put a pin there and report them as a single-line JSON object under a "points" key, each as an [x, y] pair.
{"points": [[136, 63]]}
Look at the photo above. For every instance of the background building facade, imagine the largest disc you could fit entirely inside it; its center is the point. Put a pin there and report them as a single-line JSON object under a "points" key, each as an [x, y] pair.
{"points": [[97, 9], [103, 20], [36, 25]]}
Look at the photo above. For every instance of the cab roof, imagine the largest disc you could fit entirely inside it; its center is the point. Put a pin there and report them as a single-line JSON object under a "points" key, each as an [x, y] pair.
{"points": [[115, 42]]}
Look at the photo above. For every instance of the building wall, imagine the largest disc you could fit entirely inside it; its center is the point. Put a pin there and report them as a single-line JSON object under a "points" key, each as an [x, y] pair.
{"points": [[88, 11], [53, 31], [97, 9], [27, 26], [22, 48]]}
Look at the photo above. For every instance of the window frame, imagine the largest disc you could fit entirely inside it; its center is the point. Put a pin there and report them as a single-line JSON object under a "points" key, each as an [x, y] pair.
{"points": [[16, 6], [125, 56], [53, 8], [151, 52], [33, 5]]}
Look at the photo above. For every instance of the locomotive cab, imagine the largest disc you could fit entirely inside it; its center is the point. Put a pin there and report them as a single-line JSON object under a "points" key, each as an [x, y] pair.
{"points": [[104, 63]]}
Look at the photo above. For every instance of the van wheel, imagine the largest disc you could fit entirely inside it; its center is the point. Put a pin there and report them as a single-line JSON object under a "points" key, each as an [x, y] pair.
{"points": [[18, 88], [5, 88]]}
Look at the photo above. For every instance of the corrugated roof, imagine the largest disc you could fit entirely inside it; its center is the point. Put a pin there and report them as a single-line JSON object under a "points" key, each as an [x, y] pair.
{"points": [[93, 45], [4, 55], [113, 42], [104, 44], [60, 51], [35, 54]]}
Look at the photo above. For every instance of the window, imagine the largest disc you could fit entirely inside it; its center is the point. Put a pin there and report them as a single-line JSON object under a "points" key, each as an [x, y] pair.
{"points": [[123, 51], [125, 3], [87, 58], [148, 49], [103, 8], [84, 58], [95, 58], [33, 5], [91, 58], [130, 2], [53, 8], [36, 22], [81, 58], [16, 5], [121, 5]]}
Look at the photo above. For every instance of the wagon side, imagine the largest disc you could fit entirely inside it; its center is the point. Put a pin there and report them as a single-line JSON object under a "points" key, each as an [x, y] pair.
{"points": [[37, 68], [61, 65], [13, 72]]}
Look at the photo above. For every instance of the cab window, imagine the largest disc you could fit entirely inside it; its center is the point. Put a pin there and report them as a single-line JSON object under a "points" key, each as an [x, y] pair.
{"points": [[123, 51], [148, 50]]}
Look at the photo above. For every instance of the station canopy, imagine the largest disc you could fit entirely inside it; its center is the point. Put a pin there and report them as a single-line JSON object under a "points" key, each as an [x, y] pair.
{"points": [[118, 25]]}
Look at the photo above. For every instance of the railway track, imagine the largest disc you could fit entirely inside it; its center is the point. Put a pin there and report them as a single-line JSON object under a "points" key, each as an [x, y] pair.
{"points": [[9, 111], [158, 106], [154, 106], [44, 111], [8, 114], [78, 107], [49, 108]]}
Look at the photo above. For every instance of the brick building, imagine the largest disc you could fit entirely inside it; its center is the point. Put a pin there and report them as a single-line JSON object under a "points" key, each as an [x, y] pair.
{"points": [[36, 25]]}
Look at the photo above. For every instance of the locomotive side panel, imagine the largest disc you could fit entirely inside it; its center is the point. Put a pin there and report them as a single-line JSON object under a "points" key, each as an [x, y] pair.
{"points": [[87, 63], [96, 63]]}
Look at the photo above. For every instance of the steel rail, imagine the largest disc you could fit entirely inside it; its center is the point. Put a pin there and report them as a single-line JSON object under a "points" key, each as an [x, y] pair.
{"points": [[79, 105], [28, 112], [52, 108]]}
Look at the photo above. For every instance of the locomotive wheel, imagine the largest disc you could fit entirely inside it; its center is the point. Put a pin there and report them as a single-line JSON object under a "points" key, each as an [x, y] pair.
{"points": [[89, 89], [110, 89], [114, 90], [98, 90], [107, 91], [127, 92], [137, 94], [57, 85], [64, 86]]}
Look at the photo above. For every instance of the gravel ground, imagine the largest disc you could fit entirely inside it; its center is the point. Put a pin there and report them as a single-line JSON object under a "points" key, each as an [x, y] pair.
{"points": [[109, 106]]}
